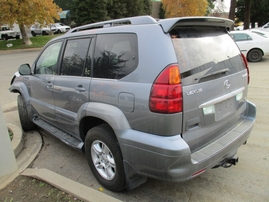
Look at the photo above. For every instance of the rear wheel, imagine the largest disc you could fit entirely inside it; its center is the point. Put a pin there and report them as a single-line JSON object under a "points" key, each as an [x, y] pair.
{"points": [[44, 33], [26, 123], [254, 55], [105, 158]]}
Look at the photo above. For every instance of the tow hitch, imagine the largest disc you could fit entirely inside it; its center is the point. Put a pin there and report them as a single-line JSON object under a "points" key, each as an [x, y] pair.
{"points": [[227, 163]]}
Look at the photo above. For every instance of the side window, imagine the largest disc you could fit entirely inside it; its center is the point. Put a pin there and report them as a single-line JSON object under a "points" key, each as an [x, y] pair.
{"points": [[115, 56], [47, 62], [241, 37], [75, 56]]}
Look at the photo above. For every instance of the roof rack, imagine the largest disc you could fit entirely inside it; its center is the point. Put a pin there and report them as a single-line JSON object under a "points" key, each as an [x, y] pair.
{"points": [[123, 21]]}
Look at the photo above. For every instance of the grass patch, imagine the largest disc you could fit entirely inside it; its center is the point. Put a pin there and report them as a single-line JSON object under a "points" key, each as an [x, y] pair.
{"points": [[38, 42]]}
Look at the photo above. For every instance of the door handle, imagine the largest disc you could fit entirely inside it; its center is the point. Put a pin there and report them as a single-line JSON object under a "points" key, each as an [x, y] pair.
{"points": [[49, 84], [80, 89]]}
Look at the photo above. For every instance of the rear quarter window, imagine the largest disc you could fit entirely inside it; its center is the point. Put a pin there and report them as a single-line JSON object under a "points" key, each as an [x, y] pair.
{"points": [[241, 37], [115, 55], [205, 53]]}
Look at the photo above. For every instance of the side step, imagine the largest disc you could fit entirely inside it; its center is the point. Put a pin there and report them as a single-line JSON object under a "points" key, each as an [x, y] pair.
{"points": [[66, 138]]}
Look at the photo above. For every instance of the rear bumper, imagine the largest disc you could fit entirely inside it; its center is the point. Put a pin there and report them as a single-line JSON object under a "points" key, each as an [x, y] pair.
{"points": [[170, 158]]}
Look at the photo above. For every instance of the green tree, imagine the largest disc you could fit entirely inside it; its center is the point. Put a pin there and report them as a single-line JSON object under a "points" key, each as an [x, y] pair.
{"points": [[116, 9], [162, 12], [147, 5], [26, 13], [64, 4], [89, 11], [134, 7], [259, 11], [210, 6]]}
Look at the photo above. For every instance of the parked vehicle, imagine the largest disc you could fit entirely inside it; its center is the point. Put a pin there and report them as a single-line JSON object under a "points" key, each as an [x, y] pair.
{"points": [[61, 28], [252, 45], [260, 32], [7, 33], [266, 25], [37, 29], [168, 105]]}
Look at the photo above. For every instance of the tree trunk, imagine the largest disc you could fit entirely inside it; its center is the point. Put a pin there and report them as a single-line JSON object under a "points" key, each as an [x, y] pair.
{"points": [[232, 11], [247, 14], [25, 37]]}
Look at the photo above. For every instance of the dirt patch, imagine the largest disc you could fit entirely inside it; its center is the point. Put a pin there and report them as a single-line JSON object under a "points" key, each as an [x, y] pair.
{"points": [[24, 189]]}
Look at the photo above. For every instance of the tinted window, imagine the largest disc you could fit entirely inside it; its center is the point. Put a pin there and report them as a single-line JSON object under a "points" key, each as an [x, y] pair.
{"points": [[75, 56], [115, 55], [241, 37], [47, 62], [205, 53]]}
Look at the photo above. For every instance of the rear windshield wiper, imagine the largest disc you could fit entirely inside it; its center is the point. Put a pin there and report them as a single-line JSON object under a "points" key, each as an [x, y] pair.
{"points": [[222, 71]]}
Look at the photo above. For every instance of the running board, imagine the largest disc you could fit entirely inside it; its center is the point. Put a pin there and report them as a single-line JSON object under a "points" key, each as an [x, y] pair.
{"points": [[66, 138]]}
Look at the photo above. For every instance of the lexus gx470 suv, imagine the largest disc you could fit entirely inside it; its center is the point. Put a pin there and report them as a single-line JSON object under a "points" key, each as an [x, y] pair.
{"points": [[142, 98]]}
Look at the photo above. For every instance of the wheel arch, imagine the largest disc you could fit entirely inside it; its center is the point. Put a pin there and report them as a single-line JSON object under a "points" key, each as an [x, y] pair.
{"points": [[20, 88], [255, 49], [98, 113]]}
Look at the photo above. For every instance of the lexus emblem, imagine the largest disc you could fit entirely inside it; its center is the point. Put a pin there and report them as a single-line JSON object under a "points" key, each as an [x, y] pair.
{"points": [[227, 84]]}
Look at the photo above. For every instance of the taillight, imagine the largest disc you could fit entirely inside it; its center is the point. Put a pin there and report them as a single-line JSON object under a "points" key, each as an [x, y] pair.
{"points": [[245, 62], [166, 92]]}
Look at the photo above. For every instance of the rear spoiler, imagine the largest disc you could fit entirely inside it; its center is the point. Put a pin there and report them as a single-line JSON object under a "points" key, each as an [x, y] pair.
{"points": [[169, 24]]}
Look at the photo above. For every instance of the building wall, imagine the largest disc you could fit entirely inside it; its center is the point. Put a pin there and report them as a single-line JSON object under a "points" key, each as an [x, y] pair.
{"points": [[156, 5]]}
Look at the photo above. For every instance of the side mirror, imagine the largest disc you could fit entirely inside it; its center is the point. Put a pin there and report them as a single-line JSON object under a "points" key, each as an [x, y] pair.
{"points": [[25, 69]]}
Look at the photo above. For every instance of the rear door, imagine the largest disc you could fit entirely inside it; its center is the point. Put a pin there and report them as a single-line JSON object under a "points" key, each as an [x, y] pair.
{"points": [[71, 87], [214, 82]]}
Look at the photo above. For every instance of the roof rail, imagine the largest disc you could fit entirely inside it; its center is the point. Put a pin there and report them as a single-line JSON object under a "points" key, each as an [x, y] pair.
{"points": [[122, 21]]}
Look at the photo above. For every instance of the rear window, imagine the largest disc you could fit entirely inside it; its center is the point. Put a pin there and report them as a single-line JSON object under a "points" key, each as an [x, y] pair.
{"points": [[205, 53]]}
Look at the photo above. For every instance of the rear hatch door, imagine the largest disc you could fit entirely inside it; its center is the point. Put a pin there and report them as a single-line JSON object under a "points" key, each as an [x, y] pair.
{"points": [[214, 80]]}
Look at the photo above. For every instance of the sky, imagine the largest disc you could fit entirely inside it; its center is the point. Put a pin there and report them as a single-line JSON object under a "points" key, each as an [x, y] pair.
{"points": [[227, 5]]}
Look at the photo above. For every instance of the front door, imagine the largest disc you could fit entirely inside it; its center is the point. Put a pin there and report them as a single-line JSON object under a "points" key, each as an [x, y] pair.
{"points": [[42, 89]]}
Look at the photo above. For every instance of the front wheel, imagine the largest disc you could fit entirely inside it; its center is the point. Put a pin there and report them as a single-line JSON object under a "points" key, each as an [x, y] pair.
{"points": [[5, 37], [26, 122], [105, 158], [254, 55], [33, 33]]}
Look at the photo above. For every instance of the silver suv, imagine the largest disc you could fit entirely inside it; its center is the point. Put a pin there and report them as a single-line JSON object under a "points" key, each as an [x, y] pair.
{"points": [[143, 98]]}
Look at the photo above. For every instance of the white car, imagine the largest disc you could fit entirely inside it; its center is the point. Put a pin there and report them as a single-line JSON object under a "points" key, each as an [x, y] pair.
{"points": [[37, 29], [7, 33], [61, 28], [251, 44], [266, 25], [260, 32]]}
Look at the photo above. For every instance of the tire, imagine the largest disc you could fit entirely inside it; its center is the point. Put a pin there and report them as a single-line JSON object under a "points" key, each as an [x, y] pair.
{"points": [[44, 33], [104, 157], [33, 33], [58, 31], [5, 37], [26, 123], [17, 37], [254, 55]]}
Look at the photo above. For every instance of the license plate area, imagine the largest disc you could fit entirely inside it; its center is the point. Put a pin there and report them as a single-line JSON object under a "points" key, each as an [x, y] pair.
{"points": [[225, 108]]}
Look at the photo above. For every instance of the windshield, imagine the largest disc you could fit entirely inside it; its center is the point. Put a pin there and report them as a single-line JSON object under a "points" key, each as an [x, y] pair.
{"points": [[205, 53]]}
